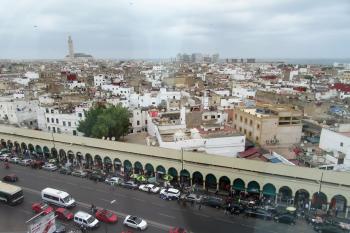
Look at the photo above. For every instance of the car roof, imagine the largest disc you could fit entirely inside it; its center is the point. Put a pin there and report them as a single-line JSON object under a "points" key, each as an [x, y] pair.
{"points": [[82, 214]]}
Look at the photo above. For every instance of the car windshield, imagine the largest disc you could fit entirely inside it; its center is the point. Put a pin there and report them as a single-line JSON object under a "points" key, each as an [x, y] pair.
{"points": [[90, 219], [137, 220], [67, 199]]}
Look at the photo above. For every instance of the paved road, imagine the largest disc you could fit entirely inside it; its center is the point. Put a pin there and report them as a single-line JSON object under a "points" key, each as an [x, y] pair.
{"points": [[160, 214]]}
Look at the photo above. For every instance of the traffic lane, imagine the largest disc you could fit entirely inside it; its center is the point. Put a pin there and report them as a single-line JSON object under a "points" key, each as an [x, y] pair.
{"points": [[16, 216], [140, 203]]}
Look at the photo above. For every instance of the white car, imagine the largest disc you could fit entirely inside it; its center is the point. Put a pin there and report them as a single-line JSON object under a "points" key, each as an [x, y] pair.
{"points": [[85, 219], [149, 188], [135, 222], [49, 167], [25, 162], [170, 193], [113, 181], [14, 160], [4, 157]]}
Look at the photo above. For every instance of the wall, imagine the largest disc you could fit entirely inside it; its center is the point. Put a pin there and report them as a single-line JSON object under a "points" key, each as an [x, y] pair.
{"points": [[296, 178], [334, 141]]}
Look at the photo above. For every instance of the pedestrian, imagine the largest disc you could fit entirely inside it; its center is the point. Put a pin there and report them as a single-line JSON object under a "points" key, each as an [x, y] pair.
{"points": [[199, 206], [192, 203]]}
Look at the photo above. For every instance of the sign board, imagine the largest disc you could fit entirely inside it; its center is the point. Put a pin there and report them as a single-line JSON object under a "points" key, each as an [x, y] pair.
{"points": [[43, 224]]}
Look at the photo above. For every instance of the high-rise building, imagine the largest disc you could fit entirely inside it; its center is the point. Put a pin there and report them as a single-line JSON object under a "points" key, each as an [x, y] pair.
{"points": [[70, 48]]}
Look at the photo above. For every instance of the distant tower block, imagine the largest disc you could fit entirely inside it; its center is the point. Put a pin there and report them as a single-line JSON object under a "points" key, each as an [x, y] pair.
{"points": [[70, 48]]}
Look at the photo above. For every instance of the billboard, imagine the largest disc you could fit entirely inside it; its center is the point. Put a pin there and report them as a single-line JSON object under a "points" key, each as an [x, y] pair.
{"points": [[43, 224]]}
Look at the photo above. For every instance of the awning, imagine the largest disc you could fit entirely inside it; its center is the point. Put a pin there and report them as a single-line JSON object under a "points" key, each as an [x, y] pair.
{"points": [[238, 185], [117, 163], [269, 190]]}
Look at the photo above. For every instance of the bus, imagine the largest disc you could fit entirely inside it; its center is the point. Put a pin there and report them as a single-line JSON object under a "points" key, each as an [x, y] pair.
{"points": [[10, 194]]}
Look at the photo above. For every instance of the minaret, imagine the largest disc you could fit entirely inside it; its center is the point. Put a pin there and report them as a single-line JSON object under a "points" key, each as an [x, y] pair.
{"points": [[70, 48]]}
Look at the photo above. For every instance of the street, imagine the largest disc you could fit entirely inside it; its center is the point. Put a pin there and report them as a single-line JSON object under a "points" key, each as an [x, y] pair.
{"points": [[161, 215]]}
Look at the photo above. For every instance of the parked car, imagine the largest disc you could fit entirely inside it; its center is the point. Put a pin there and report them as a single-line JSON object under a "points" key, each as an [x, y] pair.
{"points": [[4, 157], [97, 176], [25, 162], [113, 181], [328, 228], [14, 160], [192, 198], [79, 173], [285, 218], [39, 207], [106, 216], [177, 230], [84, 219], [258, 213], [135, 222], [170, 193], [213, 202], [149, 188], [49, 167], [236, 209], [10, 178], [37, 164], [65, 170], [129, 184], [64, 214]]}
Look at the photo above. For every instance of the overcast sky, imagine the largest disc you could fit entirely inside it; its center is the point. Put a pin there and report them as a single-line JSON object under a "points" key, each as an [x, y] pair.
{"points": [[162, 28]]}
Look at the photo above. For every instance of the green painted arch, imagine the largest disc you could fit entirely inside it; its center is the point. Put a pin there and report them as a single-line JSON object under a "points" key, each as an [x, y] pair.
{"points": [[173, 172], [253, 187], [269, 190], [238, 185], [160, 169]]}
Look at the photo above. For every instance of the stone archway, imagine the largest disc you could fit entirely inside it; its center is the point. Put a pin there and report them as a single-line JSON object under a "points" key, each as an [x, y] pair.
{"points": [[89, 161], [338, 205], [107, 164], [238, 185], [117, 164], [138, 168], [197, 178], [149, 170], [301, 199], [98, 162], [285, 195], [210, 182], [319, 201], [62, 156], [224, 184]]}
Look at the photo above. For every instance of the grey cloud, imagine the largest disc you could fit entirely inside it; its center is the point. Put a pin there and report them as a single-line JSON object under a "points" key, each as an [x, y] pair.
{"points": [[158, 28]]}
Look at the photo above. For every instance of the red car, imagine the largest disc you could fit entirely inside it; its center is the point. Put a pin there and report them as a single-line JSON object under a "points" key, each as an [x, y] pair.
{"points": [[10, 178], [64, 214], [177, 230], [106, 216], [42, 207]]}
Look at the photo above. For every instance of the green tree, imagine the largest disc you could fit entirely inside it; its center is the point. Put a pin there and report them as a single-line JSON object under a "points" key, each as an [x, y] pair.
{"points": [[105, 122]]}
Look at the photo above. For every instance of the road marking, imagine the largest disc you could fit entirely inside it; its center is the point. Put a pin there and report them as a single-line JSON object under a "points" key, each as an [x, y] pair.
{"points": [[107, 200], [165, 215], [153, 223]]}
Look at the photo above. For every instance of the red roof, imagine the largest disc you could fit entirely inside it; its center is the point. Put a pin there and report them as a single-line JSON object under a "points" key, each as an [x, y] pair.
{"points": [[248, 153], [341, 87]]}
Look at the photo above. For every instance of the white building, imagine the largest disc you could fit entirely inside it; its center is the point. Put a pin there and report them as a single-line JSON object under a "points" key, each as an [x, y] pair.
{"points": [[243, 93], [138, 121], [117, 90], [56, 120], [337, 141], [214, 137], [101, 79], [21, 112], [76, 84]]}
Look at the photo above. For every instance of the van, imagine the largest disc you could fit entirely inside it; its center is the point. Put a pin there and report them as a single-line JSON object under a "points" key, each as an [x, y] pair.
{"points": [[84, 219], [57, 197]]}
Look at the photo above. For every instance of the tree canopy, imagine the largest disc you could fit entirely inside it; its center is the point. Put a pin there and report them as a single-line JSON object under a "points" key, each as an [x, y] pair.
{"points": [[105, 122]]}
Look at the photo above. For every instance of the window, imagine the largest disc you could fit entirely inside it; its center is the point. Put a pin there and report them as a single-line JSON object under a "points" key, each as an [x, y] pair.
{"points": [[64, 123], [74, 132], [235, 116], [218, 116], [250, 134], [69, 123], [52, 120], [47, 110], [51, 110], [48, 120], [57, 121], [341, 144], [245, 120], [245, 131], [58, 130], [258, 126], [213, 117], [251, 122], [256, 138], [80, 115], [241, 118], [240, 129], [205, 117], [235, 126], [138, 122], [49, 128]]}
